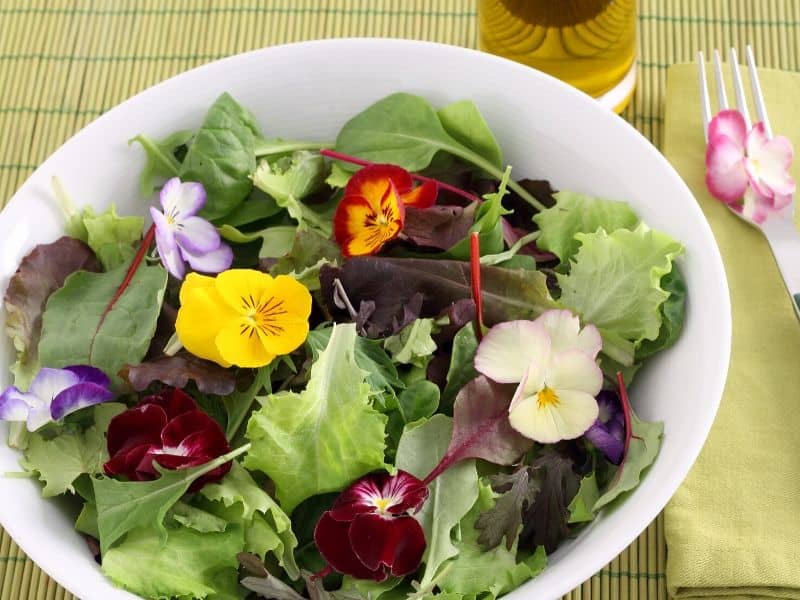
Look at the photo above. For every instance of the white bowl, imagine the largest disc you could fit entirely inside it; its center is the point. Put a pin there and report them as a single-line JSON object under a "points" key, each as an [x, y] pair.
{"points": [[308, 90]]}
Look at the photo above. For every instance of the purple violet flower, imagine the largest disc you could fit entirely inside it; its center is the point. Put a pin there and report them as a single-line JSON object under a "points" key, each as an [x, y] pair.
{"points": [[182, 237], [53, 394], [608, 432]]}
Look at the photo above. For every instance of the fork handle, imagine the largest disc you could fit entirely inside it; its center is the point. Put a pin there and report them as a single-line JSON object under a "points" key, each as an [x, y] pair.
{"points": [[784, 241]]}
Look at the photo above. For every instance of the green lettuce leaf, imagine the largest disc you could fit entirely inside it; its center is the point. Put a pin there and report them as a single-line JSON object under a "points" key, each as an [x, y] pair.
{"points": [[578, 213], [275, 240], [644, 445], [672, 314], [222, 156], [114, 239], [465, 123], [412, 345], [126, 505], [475, 571], [61, 460], [185, 563], [162, 158], [309, 252], [452, 494], [582, 505], [328, 432], [615, 283], [197, 518], [462, 360], [92, 336], [272, 532], [41, 272]]}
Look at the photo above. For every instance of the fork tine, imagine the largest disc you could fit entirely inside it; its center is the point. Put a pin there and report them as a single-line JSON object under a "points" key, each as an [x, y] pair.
{"points": [[758, 96], [705, 105], [741, 101], [722, 96]]}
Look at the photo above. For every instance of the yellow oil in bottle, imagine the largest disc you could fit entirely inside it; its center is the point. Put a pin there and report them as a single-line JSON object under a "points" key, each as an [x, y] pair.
{"points": [[590, 44]]}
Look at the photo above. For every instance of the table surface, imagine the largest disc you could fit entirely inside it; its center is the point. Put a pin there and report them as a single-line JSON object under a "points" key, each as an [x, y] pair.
{"points": [[64, 62]]}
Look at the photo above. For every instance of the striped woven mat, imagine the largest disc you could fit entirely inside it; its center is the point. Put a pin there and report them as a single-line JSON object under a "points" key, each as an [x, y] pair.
{"points": [[64, 62]]}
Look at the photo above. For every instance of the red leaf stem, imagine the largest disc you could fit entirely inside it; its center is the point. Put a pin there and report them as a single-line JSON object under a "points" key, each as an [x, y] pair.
{"points": [[365, 163], [475, 274]]}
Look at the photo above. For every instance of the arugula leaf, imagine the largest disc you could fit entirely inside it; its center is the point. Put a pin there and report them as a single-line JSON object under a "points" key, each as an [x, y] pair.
{"points": [[477, 571], [615, 283], [267, 528], [126, 505], [672, 314], [452, 494], [222, 156], [462, 363], [185, 564], [41, 272], [412, 345], [94, 336], [61, 460], [581, 509], [162, 160], [464, 122], [177, 370], [504, 519], [642, 451], [328, 432], [579, 213]]}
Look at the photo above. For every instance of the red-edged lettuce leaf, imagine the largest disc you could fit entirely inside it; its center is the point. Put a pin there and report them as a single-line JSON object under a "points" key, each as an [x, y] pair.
{"points": [[177, 370], [40, 273], [392, 282]]}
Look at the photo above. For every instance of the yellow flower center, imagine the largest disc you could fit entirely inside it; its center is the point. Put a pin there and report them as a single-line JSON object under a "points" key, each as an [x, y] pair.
{"points": [[547, 397], [262, 316]]}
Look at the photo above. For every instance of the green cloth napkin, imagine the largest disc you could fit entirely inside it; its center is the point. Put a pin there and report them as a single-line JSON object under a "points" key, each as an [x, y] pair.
{"points": [[733, 528]]}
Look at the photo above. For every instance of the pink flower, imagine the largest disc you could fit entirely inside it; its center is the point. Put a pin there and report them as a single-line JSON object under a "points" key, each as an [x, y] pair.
{"points": [[746, 170], [369, 532]]}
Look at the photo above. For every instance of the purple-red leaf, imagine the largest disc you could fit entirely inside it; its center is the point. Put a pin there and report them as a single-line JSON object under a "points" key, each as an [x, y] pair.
{"points": [[176, 371], [518, 491], [439, 227], [41, 273], [481, 428]]}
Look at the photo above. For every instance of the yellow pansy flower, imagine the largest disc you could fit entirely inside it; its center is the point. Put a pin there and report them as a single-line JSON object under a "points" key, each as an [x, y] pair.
{"points": [[242, 317]]}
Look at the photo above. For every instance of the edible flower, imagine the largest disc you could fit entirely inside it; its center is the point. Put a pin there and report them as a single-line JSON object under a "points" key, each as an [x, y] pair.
{"points": [[372, 210], [746, 170], [183, 237], [608, 431], [169, 429], [369, 532], [554, 362], [242, 317], [53, 394]]}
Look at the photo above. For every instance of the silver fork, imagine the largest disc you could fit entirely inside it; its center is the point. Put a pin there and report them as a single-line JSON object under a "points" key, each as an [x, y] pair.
{"points": [[779, 228]]}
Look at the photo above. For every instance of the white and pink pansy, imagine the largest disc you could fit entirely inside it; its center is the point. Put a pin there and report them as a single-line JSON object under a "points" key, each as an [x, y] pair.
{"points": [[183, 237], [553, 361], [747, 170]]}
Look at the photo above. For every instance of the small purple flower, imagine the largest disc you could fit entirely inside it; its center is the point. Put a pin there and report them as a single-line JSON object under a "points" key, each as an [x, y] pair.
{"points": [[608, 432], [182, 237], [53, 394]]}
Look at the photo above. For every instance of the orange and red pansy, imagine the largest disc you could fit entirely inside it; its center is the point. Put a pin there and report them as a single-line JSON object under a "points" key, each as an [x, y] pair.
{"points": [[372, 210]]}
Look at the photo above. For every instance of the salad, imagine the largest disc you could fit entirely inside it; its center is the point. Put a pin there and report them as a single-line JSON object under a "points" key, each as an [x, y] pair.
{"points": [[376, 367]]}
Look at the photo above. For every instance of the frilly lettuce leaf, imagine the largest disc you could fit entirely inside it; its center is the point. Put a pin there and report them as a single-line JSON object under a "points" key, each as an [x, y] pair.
{"points": [[328, 433], [187, 564], [412, 345], [577, 213], [114, 239], [615, 283]]}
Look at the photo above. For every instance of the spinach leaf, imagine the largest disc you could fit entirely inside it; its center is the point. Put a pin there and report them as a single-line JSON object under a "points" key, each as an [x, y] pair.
{"points": [[162, 158], [222, 156], [464, 122]]}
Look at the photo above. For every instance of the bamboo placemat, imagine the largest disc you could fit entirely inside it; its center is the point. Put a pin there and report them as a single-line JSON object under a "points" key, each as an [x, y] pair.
{"points": [[63, 63]]}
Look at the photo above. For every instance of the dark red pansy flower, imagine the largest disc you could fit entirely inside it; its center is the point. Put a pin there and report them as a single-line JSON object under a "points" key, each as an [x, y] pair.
{"points": [[167, 428], [369, 532]]}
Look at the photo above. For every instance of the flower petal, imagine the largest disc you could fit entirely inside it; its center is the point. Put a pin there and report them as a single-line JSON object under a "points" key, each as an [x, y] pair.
{"points": [[13, 406], [240, 344], [215, 261], [508, 349], [768, 162], [567, 419], [135, 463], [362, 227], [726, 177], [333, 542], [532, 382], [285, 309], [729, 123], [394, 542], [49, 383], [574, 370], [408, 492], [181, 200], [174, 402], [38, 416], [423, 196], [135, 427], [359, 497], [167, 246], [77, 397], [371, 182], [87, 374], [604, 440], [566, 334], [755, 207], [242, 289], [203, 313], [195, 433], [197, 235]]}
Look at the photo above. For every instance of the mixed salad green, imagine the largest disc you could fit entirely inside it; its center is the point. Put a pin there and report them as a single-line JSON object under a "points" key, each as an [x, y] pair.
{"points": [[377, 367]]}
